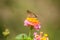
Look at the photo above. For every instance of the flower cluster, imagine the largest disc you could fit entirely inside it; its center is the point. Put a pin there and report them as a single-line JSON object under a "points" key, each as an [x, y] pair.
{"points": [[34, 22], [41, 36]]}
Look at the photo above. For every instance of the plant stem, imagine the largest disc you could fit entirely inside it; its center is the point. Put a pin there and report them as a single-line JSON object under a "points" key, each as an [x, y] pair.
{"points": [[30, 32]]}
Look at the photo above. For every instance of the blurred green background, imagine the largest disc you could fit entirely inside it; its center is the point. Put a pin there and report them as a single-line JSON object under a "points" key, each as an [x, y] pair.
{"points": [[13, 14]]}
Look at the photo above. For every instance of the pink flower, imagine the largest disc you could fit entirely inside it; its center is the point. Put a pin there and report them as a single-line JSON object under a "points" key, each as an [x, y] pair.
{"points": [[27, 23], [37, 27], [35, 33], [37, 37]]}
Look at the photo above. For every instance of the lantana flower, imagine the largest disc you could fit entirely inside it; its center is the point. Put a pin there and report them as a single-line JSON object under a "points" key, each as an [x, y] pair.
{"points": [[32, 22]]}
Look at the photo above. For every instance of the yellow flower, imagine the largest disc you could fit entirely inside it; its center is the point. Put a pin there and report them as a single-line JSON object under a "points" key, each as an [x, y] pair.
{"points": [[44, 38], [6, 32], [29, 19], [32, 19], [45, 34]]}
